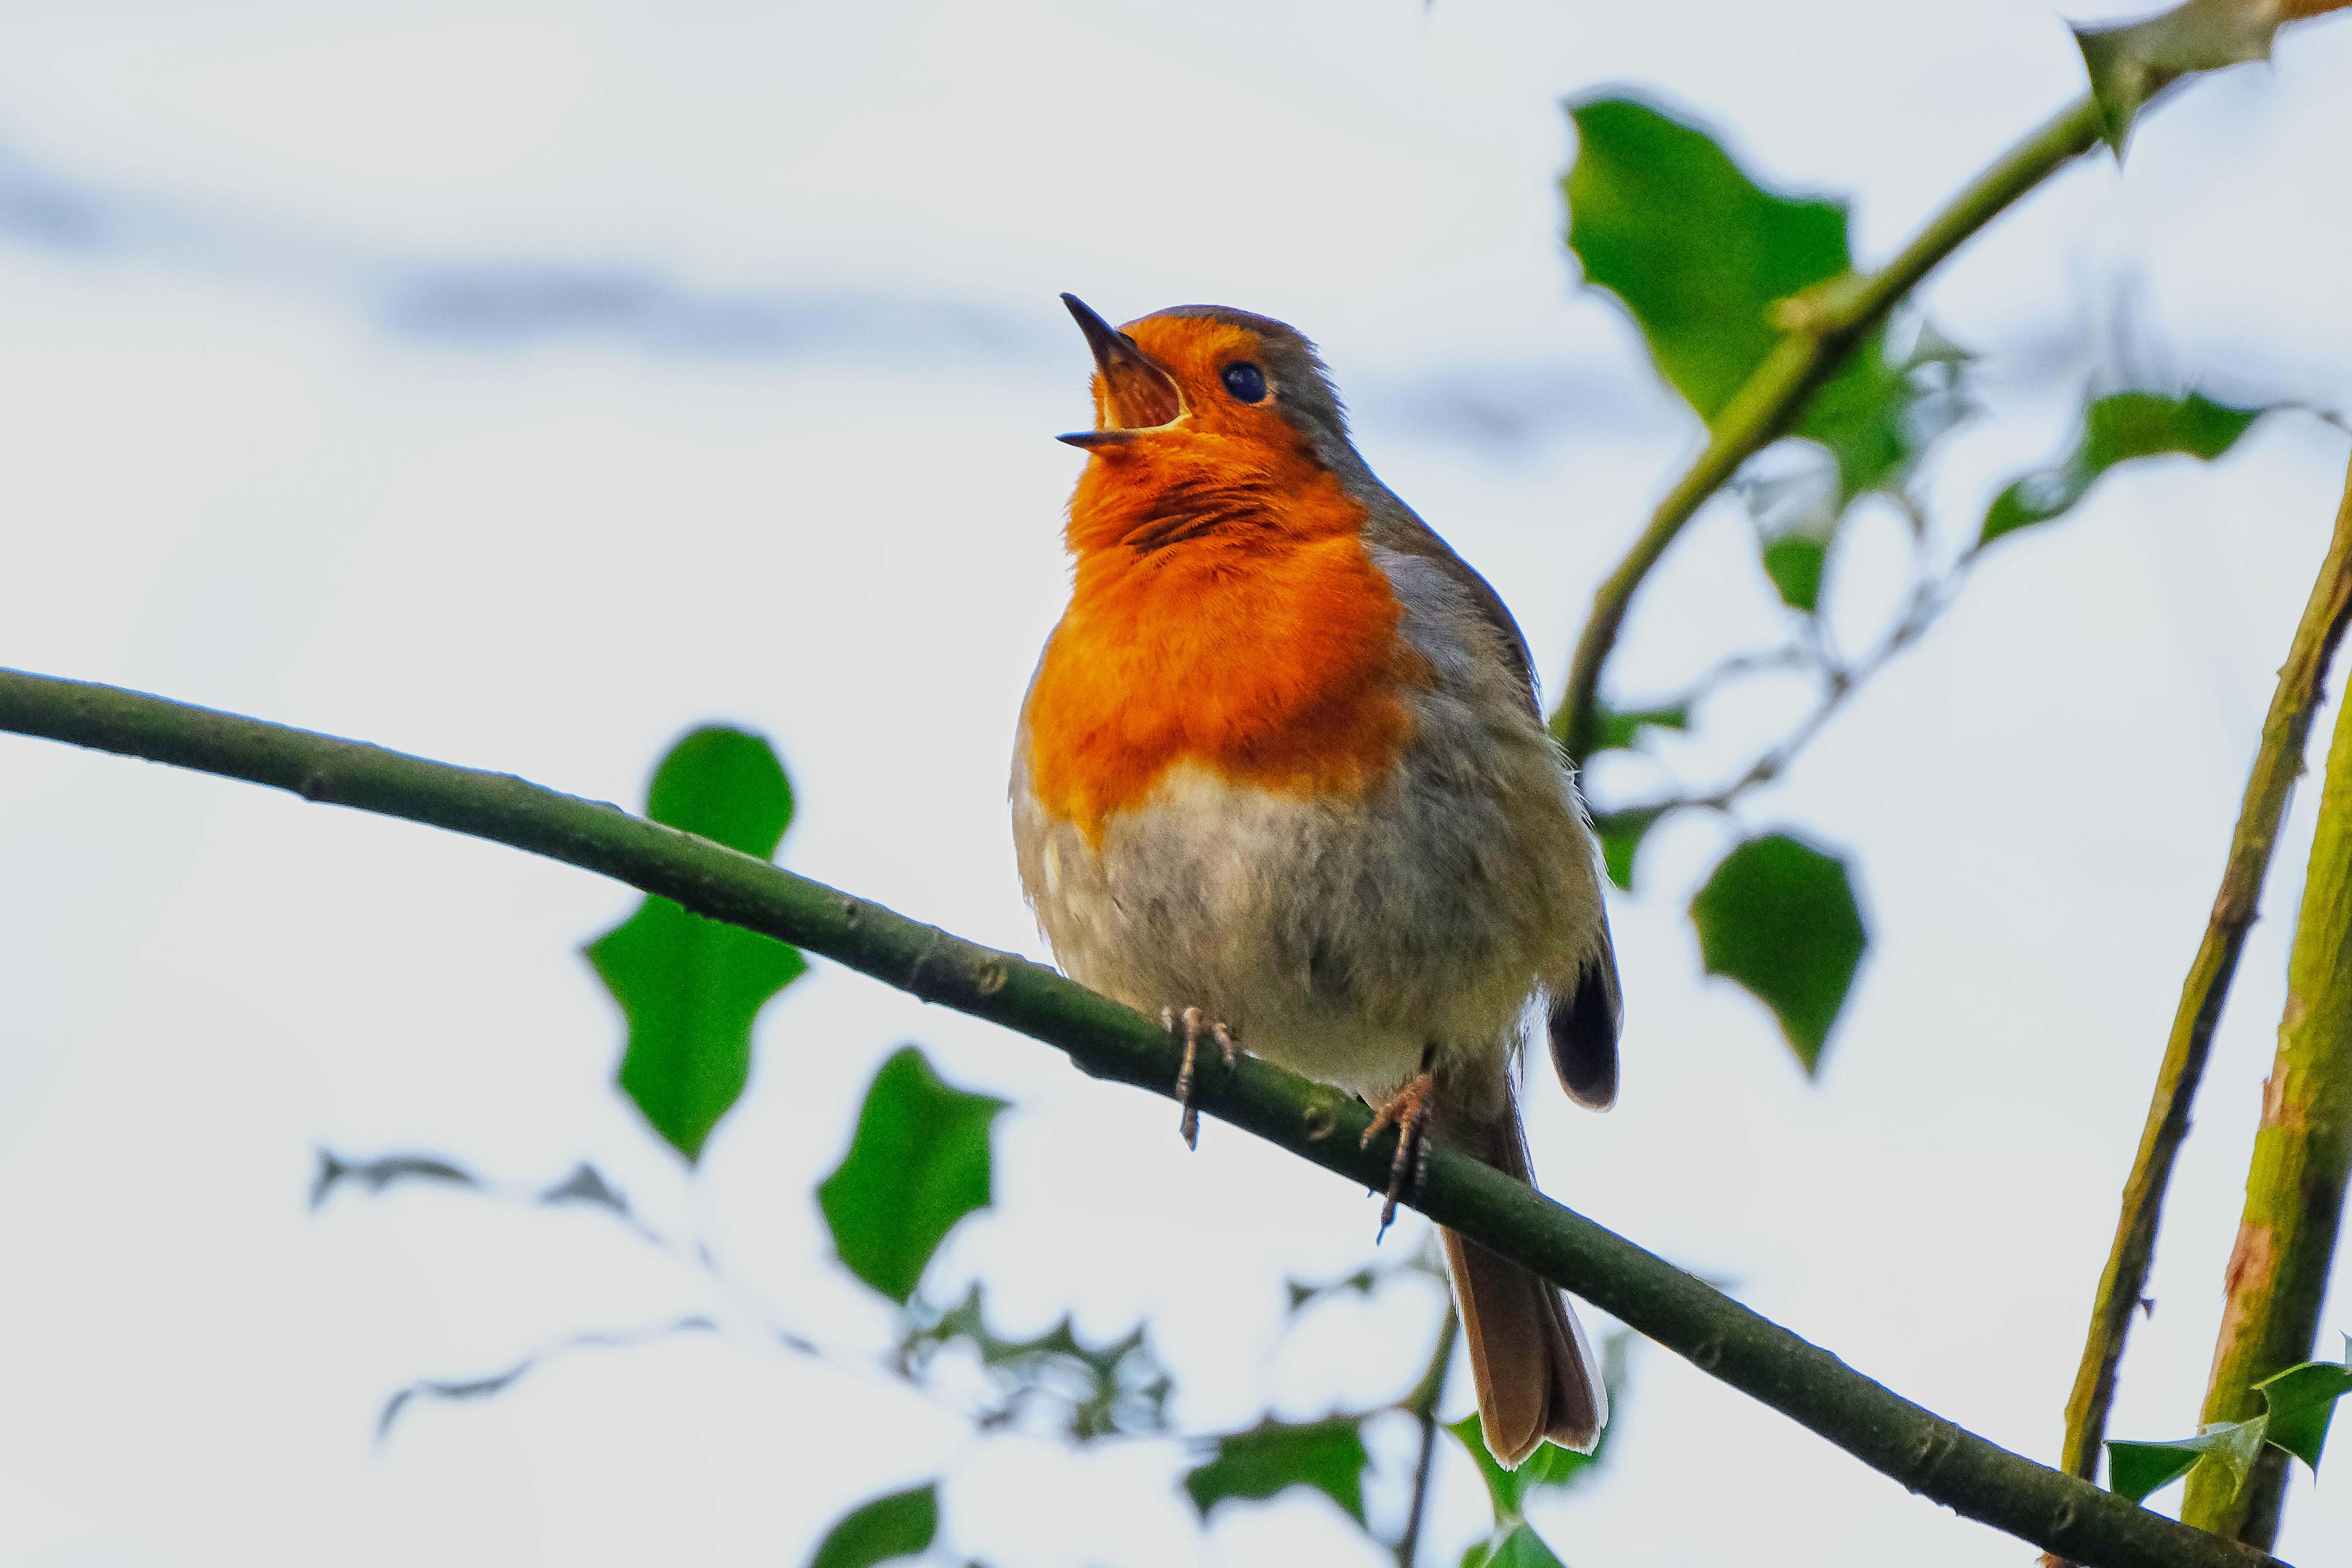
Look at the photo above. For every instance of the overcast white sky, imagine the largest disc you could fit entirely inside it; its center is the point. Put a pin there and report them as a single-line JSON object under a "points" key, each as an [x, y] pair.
{"points": [[520, 384]]}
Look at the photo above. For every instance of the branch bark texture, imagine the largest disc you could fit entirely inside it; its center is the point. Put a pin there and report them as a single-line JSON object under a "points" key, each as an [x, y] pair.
{"points": [[1914, 1445], [2278, 763], [2295, 1190], [1819, 330]]}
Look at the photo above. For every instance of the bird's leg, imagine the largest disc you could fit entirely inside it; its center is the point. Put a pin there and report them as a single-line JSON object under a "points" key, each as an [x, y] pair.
{"points": [[1190, 1023], [1407, 1110]]}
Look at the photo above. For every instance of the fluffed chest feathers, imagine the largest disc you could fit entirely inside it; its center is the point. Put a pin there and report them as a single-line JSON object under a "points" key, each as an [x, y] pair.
{"points": [[1339, 932]]}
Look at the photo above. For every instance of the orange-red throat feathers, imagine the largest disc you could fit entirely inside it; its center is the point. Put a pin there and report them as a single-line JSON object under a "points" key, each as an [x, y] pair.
{"points": [[1224, 612]]}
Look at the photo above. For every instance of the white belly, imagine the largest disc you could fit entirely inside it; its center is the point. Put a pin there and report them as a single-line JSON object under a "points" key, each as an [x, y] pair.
{"points": [[1339, 938]]}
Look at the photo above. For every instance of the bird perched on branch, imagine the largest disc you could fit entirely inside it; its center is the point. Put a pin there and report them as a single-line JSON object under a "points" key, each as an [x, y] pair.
{"points": [[1281, 778]]}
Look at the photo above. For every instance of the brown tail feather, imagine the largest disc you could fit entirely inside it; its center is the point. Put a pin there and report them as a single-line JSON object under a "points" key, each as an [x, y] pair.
{"points": [[1536, 1374]]}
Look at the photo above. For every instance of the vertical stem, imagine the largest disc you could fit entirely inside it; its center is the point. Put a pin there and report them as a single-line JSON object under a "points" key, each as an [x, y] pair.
{"points": [[2278, 761], [1422, 1404], [2295, 1190]]}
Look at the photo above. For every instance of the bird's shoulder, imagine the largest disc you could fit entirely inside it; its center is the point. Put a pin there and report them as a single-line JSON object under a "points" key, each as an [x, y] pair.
{"points": [[1452, 613]]}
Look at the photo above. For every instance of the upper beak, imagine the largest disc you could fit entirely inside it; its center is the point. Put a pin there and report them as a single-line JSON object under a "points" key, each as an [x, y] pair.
{"points": [[1137, 393]]}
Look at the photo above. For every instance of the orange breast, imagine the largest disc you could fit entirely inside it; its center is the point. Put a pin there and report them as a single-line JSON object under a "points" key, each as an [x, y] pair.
{"points": [[1260, 642]]}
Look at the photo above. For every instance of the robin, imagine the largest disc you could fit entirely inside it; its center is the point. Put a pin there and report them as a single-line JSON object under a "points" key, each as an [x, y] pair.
{"points": [[1281, 778]]}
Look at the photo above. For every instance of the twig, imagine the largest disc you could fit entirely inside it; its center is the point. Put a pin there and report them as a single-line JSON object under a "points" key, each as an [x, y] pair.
{"points": [[1916, 1447], [1422, 1404], [1819, 329], [1929, 597], [2303, 1152], [2278, 761]]}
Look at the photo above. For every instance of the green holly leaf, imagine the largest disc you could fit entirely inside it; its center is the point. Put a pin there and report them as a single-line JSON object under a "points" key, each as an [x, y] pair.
{"points": [[1781, 918], [888, 1530], [2300, 1401], [1515, 1545], [691, 988], [1700, 255], [2132, 63], [2137, 1470], [917, 1164], [2117, 428], [1273, 1456]]}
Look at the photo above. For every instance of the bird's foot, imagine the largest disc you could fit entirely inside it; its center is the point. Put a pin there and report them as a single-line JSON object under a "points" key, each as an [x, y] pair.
{"points": [[1191, 1026], [1408, 1110]]}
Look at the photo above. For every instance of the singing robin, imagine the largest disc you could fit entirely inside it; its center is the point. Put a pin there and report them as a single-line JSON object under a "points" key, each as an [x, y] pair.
{"points": [[1281, 779]]}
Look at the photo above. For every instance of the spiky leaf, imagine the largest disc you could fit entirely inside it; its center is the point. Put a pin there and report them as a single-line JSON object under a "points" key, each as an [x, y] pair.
{"points": [[2135, 1470], [2300, 1401]]}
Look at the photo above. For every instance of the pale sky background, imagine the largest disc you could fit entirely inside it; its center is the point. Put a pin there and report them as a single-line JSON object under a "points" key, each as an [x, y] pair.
{"points": [[520, 385]]}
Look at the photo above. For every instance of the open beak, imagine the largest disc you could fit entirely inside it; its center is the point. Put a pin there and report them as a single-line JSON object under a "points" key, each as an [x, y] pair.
{"points": [[1137, 393]]}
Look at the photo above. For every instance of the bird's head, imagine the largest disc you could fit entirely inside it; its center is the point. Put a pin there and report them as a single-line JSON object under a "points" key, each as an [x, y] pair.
{"points": [[1207, 371], [1211, 424]]}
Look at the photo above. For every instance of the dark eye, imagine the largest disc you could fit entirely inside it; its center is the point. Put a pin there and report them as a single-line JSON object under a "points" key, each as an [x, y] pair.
{"points": [[1246, 381]]}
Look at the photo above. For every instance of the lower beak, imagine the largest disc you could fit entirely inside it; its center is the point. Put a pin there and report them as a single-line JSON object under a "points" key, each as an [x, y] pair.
{"points": [[1135, 393]]}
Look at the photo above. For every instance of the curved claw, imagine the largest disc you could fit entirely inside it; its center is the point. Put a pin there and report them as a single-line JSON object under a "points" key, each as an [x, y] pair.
{"points": [[1193, 1026], [1409, 1111]]}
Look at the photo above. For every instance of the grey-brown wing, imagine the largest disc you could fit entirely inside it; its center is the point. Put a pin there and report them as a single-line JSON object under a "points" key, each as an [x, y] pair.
{"points": [[1393, 525]]}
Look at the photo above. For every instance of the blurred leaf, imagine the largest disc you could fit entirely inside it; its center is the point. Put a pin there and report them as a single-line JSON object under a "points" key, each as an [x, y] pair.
{"points": [[1549, 1466], [1794, 565], [1515, 1546], [1273, 1456], [888, 1530], [691, 988], [1114, 1390], [461, 1389], [379, 1173], [1621, 729], [2116, 428], [2132, 63], [918, 1162], [586, 1184], [1779, 917], [1620, 834], [2301, 1400], [1362, 1282], [1662, 217], [2137, 1470]]}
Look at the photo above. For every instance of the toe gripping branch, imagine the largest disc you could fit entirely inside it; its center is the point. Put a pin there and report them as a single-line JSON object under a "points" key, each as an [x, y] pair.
{"points": [[1408, 1110], [1192, 1027]]}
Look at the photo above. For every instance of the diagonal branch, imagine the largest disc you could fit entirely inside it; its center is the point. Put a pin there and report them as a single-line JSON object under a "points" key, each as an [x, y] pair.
{"points": [[1819, 330], [2277, 1277], [2278, 763], [1920, 1449]]}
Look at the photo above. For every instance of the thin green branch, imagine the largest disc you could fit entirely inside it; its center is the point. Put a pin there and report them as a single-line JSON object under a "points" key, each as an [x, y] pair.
{"points": [[2278, 763], [1914, 1445], [1422, 1405], [1819, 330], [2278, 1272]]}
